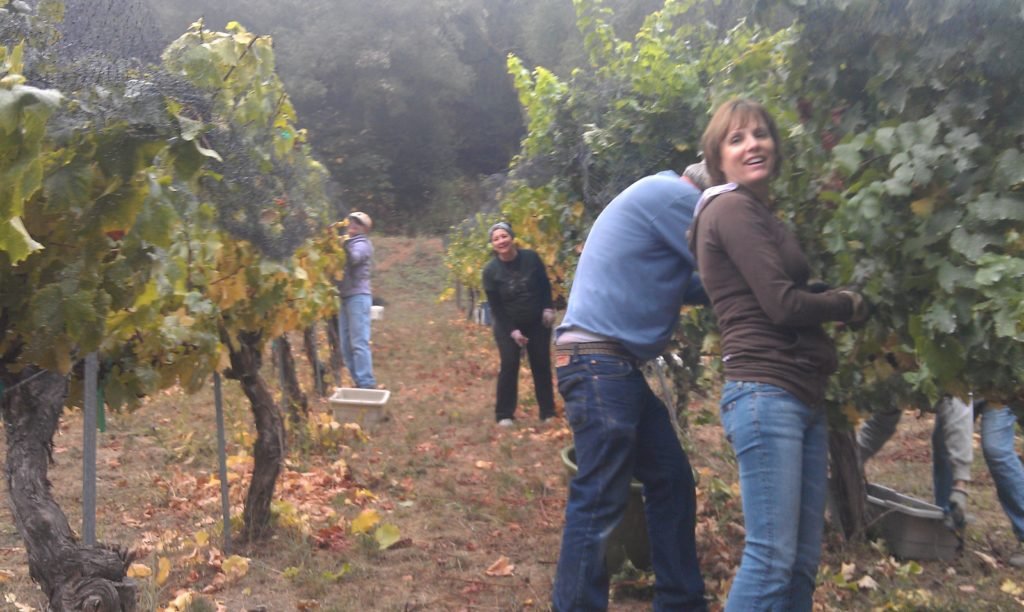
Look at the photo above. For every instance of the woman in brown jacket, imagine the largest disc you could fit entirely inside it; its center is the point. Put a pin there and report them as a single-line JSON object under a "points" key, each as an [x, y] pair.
{"points": [[776, 356]]}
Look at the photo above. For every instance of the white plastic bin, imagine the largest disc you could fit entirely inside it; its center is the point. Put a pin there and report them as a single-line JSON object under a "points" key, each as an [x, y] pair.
{"points": [[913, 529], [362, 406]]}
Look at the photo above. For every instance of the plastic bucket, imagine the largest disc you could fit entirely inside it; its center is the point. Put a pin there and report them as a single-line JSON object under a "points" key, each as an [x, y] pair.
{"points": [[629, 539]]}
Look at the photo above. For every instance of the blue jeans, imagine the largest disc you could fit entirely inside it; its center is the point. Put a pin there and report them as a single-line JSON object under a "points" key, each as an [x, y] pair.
{"points": [[781, 446], [998, 433], [354, 332], [622, 430]]}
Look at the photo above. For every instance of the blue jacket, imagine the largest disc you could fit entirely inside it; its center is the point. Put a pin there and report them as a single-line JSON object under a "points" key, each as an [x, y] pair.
{"points": [[358, 266], [636, 270]]}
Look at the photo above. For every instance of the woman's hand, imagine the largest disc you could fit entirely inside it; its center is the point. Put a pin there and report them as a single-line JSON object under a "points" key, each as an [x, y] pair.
{"points": [[861, 306], [547, 317], [519, 338]]}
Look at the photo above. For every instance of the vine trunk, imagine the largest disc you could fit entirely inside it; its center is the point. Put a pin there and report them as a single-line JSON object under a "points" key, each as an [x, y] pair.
{"points": [[269, 449], [74, 576]]}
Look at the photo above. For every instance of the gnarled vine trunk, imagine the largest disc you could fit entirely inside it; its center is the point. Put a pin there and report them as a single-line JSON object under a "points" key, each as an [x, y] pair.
{"points": [[846, 484], [294, 398], [319, 372], [73, 576], [269, 449], [333, 338]]}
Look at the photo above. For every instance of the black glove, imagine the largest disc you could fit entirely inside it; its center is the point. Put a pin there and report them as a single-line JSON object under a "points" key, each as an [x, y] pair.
{"points": [[817, 286], [862, 308]]}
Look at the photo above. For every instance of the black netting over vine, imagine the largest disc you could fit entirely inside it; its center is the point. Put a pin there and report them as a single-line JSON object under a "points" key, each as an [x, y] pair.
{"points": [[103, 57], [270, 209]]}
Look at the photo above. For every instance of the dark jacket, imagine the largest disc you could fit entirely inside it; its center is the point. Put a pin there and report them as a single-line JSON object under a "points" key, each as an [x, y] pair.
{"points": [[518, 291]]}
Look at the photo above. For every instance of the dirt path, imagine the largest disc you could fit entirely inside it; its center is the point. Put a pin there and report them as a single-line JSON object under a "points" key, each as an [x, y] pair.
{"points": [[463, 493], [477, 509]]}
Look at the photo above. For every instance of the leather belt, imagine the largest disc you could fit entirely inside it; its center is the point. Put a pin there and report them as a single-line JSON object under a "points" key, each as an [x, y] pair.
{"points": [[595, 348]]}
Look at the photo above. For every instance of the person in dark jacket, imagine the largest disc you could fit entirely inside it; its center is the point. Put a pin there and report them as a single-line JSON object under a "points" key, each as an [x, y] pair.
{"points": [[519, 294], [776, 357]]}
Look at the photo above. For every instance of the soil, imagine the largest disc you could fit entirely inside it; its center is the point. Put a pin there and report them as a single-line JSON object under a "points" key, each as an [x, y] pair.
{"points": [[437, 508]]}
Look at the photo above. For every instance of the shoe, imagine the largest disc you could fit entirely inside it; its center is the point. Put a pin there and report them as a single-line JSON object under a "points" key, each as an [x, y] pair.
{"points": [[506, 423], [1017, 558]]}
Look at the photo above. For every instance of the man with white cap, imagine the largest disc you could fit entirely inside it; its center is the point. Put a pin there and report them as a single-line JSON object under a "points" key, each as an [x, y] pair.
{"points": [[356, 300]]}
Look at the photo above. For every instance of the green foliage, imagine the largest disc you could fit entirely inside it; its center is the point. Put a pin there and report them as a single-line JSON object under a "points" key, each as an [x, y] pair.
{"points": [[130, 260], [236, 286], [468, 251], [24, 111], [921, 195], [903, 171]]}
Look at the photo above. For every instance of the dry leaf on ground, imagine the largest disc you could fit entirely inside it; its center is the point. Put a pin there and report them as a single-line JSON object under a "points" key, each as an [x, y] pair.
{"points": [[501, 567]]}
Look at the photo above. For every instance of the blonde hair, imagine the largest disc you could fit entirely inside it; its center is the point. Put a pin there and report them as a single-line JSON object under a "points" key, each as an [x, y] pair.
{"points": [[737, 110]]}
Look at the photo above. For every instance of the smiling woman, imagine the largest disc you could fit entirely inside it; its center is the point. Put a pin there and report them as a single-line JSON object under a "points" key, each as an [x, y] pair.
{"points": [[519, 294], [776, 355]]}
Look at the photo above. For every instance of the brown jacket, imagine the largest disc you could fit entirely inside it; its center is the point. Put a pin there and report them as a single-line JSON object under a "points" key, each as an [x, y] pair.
{"points": [[755, 275]]}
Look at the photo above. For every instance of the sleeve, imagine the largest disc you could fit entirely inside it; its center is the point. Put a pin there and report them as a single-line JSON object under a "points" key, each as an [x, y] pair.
{"points": [[748, 239], [499, 315], [695, 294], [358, 252], [877, 430], [956, 422]]}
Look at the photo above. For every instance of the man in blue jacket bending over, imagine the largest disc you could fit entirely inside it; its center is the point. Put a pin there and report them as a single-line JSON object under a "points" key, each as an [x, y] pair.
{"points": [[633, 277]]}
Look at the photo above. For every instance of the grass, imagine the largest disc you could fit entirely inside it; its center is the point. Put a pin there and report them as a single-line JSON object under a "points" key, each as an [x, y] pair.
{"points": [[462, 492]]}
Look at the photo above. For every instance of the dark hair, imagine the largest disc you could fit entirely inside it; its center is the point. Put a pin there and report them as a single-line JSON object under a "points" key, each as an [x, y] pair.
{"points": [[740, 110]]}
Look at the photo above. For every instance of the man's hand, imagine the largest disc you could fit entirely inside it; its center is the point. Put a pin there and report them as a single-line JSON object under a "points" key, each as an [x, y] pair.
{"points": [[957, 518], [547, 317], [519, 338]]}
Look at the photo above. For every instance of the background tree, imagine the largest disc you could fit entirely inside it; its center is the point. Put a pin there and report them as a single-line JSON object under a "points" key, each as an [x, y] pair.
{"points": [[409, 103]]}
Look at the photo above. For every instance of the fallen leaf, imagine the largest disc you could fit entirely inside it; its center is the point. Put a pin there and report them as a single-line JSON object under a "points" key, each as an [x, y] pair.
{"points": [[848, 570], [13, 600], [139, 570], [867, 582], [484, 465], [163, 570], [968, 588], [235, 567], [501, 567], [365, 521], [182, 602], [989, 559], [387, 535], [1011, 588]]}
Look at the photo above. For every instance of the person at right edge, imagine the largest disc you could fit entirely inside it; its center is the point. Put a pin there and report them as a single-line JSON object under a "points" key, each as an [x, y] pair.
{"points": [[776, 356], [952, 452], [952, 457], [634, 275]]}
